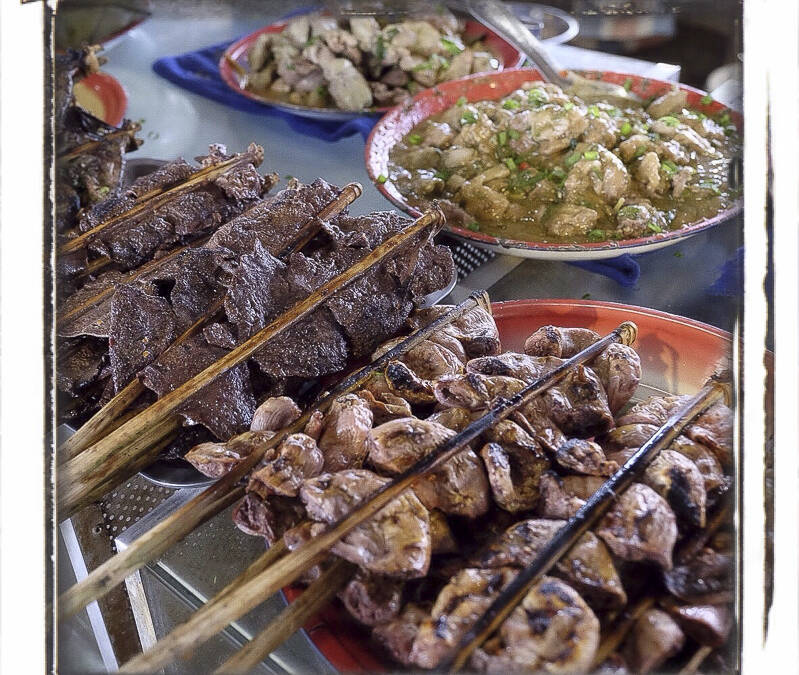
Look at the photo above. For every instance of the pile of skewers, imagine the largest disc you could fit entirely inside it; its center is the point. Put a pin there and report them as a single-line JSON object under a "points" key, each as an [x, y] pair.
{"points": [[516, 427]]}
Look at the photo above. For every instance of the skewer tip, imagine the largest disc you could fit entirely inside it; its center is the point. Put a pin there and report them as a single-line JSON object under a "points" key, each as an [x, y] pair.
{"points": [[628, 332], [354, 190]]}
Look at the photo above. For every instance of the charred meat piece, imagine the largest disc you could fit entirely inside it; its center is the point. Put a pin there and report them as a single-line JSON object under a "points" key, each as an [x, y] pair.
{"points": [[403, 382], [552, 630], [459, 486], [372, 599], [296, 459], [344, 436], [216, 459], [428, 360], [267, 518], [398, 634], [707, 624], [514, 472], [275, 413], [561, 342], [456, 419], [640, 527], [585, 457], [459, 604], [578, 405], [385, 408], [563, 497], [475, 330], [709, 573], [474, 391], [655, 637], [587, 566], [619, 370], [677, 479], [713, 428], [331, 496]]}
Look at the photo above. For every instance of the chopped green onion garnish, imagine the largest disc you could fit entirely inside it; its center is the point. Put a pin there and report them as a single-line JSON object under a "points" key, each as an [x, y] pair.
{"points": [[510, 104], [510, 163], [702, 116], [381, 179], [678, 254], [557, 174], [619, 204], [321, 90], [628, 212], [462, 101], [614, 112], [591, 154], [669, 167], [628, 84], [502, 137], [451, 46], [572, 159], [709, 185], [586, 296], [706, 100], [596, 235], [443, 175], [474, 227], [640, 151], [104, 190], [537, 96], [568, 105], [513, 134], [670, 120], [468, 117], [626, 129], [414, 139], [653, 227], [593, 110], [724, 119]]}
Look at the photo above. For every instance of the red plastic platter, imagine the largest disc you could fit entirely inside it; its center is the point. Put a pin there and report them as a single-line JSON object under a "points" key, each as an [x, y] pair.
{"points": [[399, 121], [677, 356], [507, 56]]}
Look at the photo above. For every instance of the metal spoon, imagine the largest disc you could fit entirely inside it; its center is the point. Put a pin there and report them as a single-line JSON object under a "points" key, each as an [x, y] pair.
{"points": [[506, 24]]}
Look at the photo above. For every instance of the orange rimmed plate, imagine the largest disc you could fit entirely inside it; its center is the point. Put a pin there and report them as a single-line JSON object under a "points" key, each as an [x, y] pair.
{"points": [[677, 356], [394, 125]]}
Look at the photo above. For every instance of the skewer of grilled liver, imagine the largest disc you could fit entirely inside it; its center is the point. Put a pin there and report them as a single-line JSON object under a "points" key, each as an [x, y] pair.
{"points": [[96, 427], [125, 451], [208, 621], [228, 489], [716, 389]]}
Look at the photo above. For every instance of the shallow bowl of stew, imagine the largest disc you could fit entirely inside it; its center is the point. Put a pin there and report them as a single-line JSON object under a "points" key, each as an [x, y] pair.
{"points": [[234, 68], [408, 133]]}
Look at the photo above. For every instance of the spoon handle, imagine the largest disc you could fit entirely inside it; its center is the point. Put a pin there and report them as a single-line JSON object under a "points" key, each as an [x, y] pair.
{"points": [[507, 25]]}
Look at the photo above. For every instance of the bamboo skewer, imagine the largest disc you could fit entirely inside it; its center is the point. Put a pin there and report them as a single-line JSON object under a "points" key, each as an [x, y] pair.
{"points": [[226, 490], [291, 619], [586, 516], [612, 641], [696, 660], [112, 457], [94, 429], [203, 625], [253, 155], [78, 150]]}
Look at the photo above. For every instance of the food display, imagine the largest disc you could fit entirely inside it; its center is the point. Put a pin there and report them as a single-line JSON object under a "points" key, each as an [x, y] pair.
{"points": [[541, 165], [429, 564], [358, 63]]}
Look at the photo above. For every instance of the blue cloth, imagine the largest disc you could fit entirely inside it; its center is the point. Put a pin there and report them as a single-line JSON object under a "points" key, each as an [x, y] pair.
{"points": [[198, 71]]}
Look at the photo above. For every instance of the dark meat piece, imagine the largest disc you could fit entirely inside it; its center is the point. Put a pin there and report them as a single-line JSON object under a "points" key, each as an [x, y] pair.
{"points": [[268, 519], [563, 497], [372, 599], [141, 327], [640, 527], [459, 486], [397, 635], [561, 342], [459, 604], [394, 542], [713, 428], [313, 347], [331, 496], [67, 206], [275, 223], [404, 383], [473, 391], [677, 479], [619, 369], [707, 624], [133, 245], [578, 404], [219, 335], [552, 630], [514, 472], [475, 330], [94, 321], [708, 573], [80, 365], [296, 459], [243, 184], [225, 406], [344, 435], [585, 457], [655, 637], [216, 459], [275, 413], [165, 176], [587, 566], [435, 271]]}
